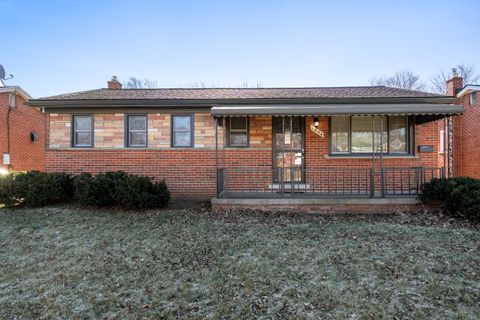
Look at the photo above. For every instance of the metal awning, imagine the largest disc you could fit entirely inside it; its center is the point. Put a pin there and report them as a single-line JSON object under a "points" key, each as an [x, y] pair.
{"points": [[336, 109]]}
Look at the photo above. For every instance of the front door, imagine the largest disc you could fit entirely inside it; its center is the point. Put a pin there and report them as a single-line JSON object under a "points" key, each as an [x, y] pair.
{"points": [[288, 149]]}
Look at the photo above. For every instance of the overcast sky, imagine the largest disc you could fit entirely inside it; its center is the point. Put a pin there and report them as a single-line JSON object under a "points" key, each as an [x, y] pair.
{"points": [[54, 47]]}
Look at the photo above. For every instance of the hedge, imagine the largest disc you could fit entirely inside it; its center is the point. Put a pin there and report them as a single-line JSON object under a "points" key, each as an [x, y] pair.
{"points": [[458, 196], [119, 189]]}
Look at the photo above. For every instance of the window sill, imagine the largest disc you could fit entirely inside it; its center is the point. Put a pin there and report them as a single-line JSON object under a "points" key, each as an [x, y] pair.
{"points": [[377, 156]]}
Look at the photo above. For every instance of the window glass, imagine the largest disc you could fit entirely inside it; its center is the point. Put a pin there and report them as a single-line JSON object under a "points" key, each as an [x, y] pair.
{"points": [[357, 131], [181, 123], [82, 131], [182, 131], [362, 134], [137, 122], [238, 123], [82, 138], [181, 139], [398, 134], [473, 98], [83, 122], [137, 131], [238, 134], [340, 131]]}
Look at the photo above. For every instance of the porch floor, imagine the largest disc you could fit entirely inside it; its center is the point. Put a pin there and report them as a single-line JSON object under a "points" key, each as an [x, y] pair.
{"points": [[308, 195]]}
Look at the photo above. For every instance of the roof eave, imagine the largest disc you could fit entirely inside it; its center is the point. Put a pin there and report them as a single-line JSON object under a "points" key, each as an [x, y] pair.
{"points": [[121, 103], [467, 89]]}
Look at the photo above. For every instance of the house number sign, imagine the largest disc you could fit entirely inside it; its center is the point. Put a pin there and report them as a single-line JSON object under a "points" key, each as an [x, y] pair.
{"points": [[317, 131]]}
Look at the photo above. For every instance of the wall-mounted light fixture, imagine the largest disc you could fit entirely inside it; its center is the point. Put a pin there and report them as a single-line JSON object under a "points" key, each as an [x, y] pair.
{"points": [[33, 136], [315, 122]]}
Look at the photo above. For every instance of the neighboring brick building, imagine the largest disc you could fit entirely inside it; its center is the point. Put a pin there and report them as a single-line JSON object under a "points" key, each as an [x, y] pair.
{"points": [[467, 132], [22, 132], [265, 142]]}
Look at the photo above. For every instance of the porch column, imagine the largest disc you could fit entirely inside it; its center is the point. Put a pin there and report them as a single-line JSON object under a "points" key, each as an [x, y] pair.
{"points": [[382, 179], [372, 171]]}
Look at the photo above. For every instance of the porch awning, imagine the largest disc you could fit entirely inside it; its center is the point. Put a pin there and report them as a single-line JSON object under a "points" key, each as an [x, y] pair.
{"points": [[336, 109]]}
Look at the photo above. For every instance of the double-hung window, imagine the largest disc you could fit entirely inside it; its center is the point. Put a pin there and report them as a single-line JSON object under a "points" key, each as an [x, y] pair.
{"points": [[182, 131], [82, 131], [473, 98], [356, 134], [237, 131], [136, 131]]}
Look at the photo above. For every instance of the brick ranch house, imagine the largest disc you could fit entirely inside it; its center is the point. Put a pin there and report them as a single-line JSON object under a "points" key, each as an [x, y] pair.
{"points": [[366, 148], [22, 131]]}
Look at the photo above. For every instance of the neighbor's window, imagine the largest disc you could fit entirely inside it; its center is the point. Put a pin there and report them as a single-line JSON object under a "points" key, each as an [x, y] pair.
{"points": [[182, 130], [473, 98], [353, 135], [137, 131], [82, 131], [238, 132]]}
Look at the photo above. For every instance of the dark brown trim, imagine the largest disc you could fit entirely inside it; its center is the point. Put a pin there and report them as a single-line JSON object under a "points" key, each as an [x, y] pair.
{"points": [[115, 103], [192, 130], [92, 130], [126, 129]]}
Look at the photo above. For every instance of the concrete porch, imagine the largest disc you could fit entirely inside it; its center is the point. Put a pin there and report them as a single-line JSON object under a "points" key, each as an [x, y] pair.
{"points": [[320, 205]]}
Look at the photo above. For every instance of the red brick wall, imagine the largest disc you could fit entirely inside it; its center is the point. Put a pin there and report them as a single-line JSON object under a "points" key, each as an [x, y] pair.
{"points": [[24, 154], [467, 155]]}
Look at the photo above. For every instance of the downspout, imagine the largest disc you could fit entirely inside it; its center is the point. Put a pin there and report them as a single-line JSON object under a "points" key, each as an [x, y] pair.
{"points": [[9, 106]]}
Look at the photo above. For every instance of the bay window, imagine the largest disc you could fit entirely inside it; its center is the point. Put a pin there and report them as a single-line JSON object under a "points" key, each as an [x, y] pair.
{"points": [[353, 134]]}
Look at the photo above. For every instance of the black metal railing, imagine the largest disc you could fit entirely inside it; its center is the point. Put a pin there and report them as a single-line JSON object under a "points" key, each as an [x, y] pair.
{"points": [[407, 181], [265, 182]]}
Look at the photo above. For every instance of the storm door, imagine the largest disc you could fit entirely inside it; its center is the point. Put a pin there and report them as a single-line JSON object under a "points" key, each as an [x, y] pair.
{"points": [[288, 149]]}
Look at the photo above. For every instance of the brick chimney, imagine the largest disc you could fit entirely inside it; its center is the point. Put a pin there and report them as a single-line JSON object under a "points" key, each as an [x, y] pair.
{"points": [[454, 84], [114, 83]]}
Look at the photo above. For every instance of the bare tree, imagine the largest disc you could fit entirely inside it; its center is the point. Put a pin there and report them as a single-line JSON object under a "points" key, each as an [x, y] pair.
{"points": [[403, 79], [135, 83], [204, 85], [467, 72]]}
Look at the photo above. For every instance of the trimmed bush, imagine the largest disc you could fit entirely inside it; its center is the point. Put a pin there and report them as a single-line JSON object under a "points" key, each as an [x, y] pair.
{"points": [[458, 196], [121, 189], [35, 189]]}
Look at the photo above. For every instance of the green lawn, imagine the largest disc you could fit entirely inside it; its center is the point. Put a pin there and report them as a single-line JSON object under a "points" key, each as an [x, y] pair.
{"points": [[65, 262]]}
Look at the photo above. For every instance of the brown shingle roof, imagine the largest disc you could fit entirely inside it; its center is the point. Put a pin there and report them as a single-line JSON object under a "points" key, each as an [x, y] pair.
{"points": [[241, 93]]}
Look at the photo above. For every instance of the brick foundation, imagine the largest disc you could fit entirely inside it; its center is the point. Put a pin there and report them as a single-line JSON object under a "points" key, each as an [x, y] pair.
{"points": [[356, 206]]}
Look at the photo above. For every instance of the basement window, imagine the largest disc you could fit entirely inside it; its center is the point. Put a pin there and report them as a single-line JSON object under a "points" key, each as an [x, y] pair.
{"points": [[82, 131], [137, 131]]}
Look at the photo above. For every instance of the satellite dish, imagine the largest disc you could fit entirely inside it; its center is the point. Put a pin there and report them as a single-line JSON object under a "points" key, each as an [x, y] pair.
{"points": [[2, 76]]}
